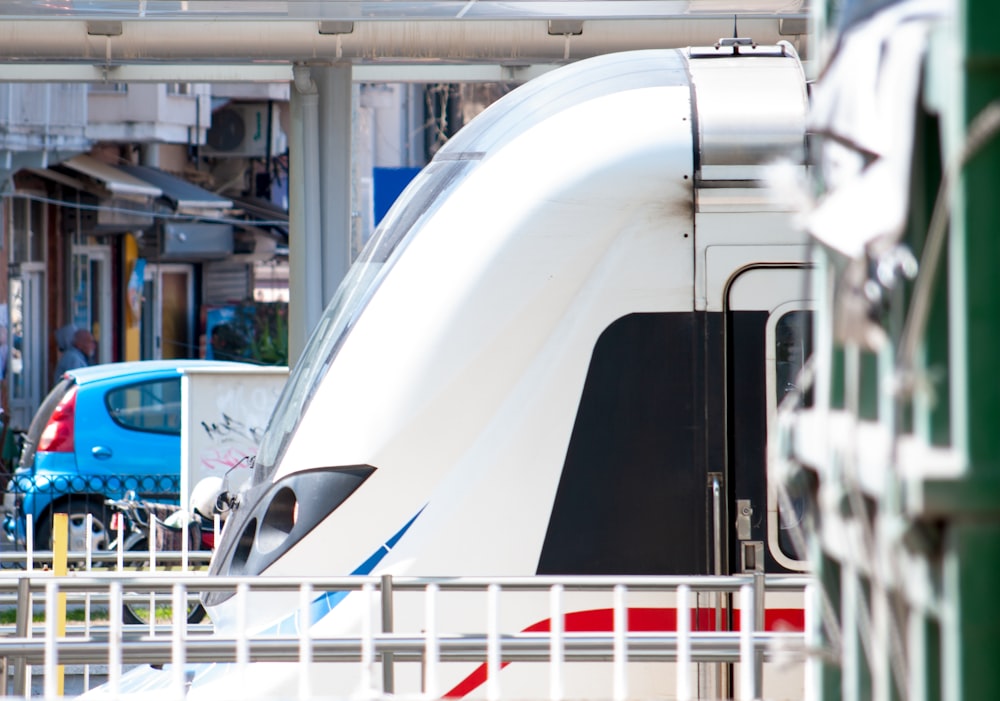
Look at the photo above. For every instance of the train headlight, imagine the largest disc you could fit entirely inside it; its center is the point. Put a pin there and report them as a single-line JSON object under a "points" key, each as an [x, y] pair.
{"points": [[272, 518]]}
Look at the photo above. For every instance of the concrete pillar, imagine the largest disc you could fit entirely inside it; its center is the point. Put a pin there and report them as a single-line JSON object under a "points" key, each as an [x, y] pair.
{"points": [[334, 84], [319, 195], [304, 238]]}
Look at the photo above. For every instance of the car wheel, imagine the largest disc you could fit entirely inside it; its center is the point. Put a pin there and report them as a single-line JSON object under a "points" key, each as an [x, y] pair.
{"points": [[78, 510], [138, 606]]}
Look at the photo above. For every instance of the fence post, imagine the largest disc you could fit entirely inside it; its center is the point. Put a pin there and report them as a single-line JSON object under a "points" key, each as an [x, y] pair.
{"points": [[388, 673], [60, 548], [683, 643], [748, 670], [22, 623], [759, 589]]}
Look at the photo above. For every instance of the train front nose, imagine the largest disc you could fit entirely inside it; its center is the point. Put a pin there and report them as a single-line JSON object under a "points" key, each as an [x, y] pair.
{"points": [[272, 518]]}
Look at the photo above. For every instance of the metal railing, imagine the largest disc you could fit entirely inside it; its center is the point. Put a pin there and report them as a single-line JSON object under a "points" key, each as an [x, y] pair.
{"points": [[114, 644], [166, 486], [106, 581], [30, 500]]}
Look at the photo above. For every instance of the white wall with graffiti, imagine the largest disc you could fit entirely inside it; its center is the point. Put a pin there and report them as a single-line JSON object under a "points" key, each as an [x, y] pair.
{"points": [[225, 412]]}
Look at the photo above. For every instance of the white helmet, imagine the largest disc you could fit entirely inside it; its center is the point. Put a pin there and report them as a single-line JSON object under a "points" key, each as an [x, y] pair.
{"points": [[205, 495]]}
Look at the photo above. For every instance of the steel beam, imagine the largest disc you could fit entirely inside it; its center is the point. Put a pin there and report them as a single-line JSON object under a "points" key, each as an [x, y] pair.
{"points": [[505, 42]]}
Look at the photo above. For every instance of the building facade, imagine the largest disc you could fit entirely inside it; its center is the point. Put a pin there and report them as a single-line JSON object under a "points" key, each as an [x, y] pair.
{"points": [[147, 212]]}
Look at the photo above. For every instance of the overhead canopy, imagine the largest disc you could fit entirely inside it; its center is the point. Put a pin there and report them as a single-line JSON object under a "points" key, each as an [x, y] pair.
{"points": [[120, 199], [114, 179], [184, 196], [59, 177], [225, 41]]}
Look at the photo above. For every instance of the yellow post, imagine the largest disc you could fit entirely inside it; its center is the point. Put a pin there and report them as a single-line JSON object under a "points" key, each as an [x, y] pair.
{"points": [[60, 544], [133, 299]]}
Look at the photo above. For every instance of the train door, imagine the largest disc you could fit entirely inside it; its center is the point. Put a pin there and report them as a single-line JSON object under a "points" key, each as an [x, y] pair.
{"points": [[768, 330], [661, 475]]}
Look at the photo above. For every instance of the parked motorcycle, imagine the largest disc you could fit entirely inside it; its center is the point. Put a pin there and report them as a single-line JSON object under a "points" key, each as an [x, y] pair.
{"points": [[132, 522]]}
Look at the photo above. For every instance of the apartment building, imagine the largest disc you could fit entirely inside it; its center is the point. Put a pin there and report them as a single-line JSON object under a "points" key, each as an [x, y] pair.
{"points": [[136, 210]]}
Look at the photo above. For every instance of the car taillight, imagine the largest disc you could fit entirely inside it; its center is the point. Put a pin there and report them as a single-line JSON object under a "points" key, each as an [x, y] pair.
{"points": [[57, 436]]}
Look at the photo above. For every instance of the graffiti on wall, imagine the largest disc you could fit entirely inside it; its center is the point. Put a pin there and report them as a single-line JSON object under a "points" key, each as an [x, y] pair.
{"points": [[235, 443], [227, 415]]}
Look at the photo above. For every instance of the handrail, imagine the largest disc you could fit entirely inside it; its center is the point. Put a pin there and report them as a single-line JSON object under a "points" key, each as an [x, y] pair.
{"points": [[160, 582], [520, 647], [115, 644]]}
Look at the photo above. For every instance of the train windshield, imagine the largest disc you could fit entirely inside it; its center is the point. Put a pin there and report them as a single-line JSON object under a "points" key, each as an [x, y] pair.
{"points": [[403, 221]]}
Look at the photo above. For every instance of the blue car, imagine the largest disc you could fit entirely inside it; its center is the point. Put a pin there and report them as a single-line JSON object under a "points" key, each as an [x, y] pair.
{"points": [[102, 431]]}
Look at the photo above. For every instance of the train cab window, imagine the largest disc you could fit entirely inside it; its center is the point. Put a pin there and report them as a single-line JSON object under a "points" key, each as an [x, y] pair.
{"points": [[792, 346], [631, 498]]}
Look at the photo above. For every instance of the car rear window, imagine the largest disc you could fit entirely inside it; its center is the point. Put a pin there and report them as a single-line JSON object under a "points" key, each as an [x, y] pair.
{"points": [[153, 406]]}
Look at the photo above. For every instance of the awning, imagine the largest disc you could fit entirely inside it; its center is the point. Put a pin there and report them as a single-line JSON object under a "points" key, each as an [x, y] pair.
{"points": [[263, 234], [109, 200], [186, 197], [112, 178], [58, 177], [264, 214]]}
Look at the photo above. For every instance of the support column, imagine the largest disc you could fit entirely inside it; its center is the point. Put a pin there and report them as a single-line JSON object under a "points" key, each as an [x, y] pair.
{"points": [[319, 195], [334, 84], [304, 235]]}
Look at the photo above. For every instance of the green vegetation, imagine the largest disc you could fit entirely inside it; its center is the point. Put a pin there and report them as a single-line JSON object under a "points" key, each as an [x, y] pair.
{"points": [[76, 614]]}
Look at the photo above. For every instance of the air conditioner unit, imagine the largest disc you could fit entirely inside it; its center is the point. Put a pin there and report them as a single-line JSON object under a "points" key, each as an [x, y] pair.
{"points": [[239, 130]]}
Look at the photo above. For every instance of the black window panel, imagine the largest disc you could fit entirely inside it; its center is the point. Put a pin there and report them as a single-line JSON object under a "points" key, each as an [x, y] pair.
{"points": [[632, 495]]}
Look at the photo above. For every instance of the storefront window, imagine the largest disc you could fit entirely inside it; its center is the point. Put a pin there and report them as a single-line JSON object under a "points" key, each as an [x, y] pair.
{"points": [[27, 230], [27, 377]]}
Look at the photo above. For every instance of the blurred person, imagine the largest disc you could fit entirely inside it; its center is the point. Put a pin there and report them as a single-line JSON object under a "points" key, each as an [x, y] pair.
{"points": [[226, 343], [77, 348]]}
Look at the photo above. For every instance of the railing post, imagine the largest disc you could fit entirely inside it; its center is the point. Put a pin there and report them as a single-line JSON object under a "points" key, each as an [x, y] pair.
{"points": [[683, 643], [57, 608], [748, 670], [388, 673], [305, 639], [432, 651], [557, 643], [22, 623], [53, 677], [494, 653], [620, 644], [759, 589], [367, 641]]}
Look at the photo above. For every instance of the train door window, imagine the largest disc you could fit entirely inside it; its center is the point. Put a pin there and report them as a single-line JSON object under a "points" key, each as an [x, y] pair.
{"points": [[767, 326], [789, 336], [792, 337]]}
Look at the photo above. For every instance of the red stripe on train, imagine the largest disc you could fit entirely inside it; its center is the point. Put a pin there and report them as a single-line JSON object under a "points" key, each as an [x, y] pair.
{"points": [[640, 620]]}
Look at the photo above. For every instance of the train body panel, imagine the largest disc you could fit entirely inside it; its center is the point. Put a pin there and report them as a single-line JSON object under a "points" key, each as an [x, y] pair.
{"points": [[494, 406], [541, 362]]}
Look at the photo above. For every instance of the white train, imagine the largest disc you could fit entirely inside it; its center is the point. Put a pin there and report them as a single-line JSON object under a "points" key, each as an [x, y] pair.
{"points": [[559, 354]]}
